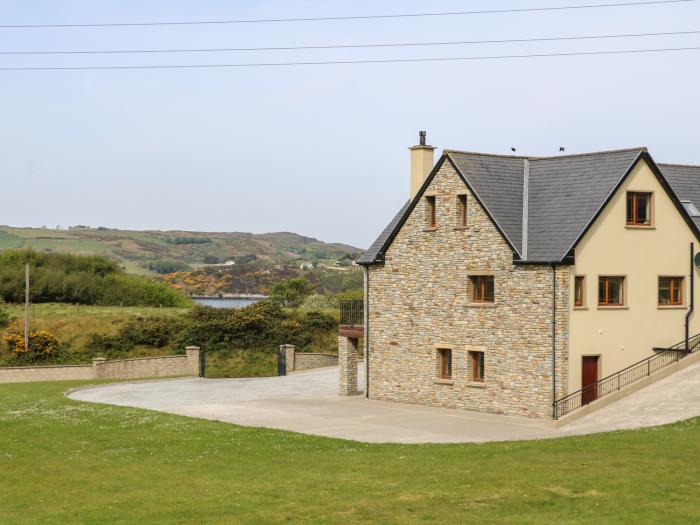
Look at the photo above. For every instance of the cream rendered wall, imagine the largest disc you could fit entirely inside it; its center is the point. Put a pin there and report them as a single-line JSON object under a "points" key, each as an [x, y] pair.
{"points": [[623, 336]]}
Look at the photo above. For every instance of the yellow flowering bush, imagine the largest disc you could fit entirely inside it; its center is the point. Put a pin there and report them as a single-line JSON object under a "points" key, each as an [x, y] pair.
{"points": [[42, 343]]}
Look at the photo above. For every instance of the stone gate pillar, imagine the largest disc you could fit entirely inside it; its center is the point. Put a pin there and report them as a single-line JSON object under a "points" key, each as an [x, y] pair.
{"points": [[347, 361]]}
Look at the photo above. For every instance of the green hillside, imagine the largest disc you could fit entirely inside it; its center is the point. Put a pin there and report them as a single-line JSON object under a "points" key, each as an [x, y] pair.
{"points": [[151, 252]]}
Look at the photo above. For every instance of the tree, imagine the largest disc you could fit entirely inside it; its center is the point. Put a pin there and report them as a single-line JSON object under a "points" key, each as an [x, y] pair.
{"points": [[291, 292]]}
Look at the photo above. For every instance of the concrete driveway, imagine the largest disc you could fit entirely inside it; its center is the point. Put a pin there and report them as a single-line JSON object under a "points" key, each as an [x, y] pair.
{"points": [[307, 402]]}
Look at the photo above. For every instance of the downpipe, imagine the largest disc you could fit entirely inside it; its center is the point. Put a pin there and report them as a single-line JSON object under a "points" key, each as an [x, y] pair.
{"points": [[692, 297], [366, 324], [554, 341]]}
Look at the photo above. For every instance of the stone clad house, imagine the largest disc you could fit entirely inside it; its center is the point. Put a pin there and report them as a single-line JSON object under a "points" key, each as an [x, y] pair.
{"points": [[508, 282]]}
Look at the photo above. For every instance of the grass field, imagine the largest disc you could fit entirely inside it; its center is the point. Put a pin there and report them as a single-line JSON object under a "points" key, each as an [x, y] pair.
{"points": [[63, 461]]}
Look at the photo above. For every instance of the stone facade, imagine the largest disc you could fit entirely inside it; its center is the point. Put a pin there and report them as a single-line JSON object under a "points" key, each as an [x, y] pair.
{"points": [[165, 366], [347, 360], [421, 300]]}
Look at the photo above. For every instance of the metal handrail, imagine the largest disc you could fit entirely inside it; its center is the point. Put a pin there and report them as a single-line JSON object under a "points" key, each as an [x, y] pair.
{"points": [[624, 377], [352, 313]]}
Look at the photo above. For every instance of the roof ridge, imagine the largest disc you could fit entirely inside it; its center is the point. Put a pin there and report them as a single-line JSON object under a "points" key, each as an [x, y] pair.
{"points": [[678, 165], [448, 151], [588, 154], [531, 157]]}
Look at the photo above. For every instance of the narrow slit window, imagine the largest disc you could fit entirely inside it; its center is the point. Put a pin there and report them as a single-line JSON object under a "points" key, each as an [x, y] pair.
{"points": [[638, 208], [461, 211], [432, 215], [477, 366], [445, 363], [670, 291], [579, 289], [611, 291], [483, 289]]}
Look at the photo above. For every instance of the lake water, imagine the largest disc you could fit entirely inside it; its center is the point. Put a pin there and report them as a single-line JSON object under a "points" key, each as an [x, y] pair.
{"points": [[239, 302]]}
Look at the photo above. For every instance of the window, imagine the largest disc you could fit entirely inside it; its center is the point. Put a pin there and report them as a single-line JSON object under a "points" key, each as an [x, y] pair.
{"points": [[445, 363], [611, 291], [670, 291], [432, 219], [482, 289], [638, 208], [461, 211], [579, 289], [477, 366], [691, 208]]}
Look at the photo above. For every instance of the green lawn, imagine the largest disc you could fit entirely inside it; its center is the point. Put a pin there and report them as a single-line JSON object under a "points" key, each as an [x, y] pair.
{"points": [[63, 461]]}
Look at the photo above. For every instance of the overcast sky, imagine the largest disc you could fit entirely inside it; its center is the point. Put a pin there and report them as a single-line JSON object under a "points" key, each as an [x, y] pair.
{"points": [[317, 150]]}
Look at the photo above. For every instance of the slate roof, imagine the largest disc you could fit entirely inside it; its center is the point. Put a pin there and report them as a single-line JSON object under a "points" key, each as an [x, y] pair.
{"points": [[565, 195], [685, 181]]}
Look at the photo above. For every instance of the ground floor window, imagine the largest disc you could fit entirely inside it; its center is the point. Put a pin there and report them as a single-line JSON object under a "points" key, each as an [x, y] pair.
{"points": [[670, 291], [445, 363], [477, 366]]}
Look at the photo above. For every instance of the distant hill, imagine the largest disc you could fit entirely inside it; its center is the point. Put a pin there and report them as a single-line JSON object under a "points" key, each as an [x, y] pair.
{"points": [[152, 252]]}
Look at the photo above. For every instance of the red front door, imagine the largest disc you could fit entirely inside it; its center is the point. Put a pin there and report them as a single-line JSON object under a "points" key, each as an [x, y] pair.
{"points": [[589, 377]]}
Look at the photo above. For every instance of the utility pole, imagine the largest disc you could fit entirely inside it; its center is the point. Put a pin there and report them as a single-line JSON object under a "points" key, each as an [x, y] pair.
{"points": [[26, 307]]}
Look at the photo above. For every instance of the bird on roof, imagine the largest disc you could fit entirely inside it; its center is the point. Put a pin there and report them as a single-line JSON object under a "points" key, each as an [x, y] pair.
{"points": [[562, 148]]}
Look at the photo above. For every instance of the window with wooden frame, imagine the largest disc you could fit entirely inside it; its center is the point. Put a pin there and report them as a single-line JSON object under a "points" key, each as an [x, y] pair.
{"points": [[432, 215], [579, 290], [670, 291], [476, 361], [483, 289], [611, 291], [444, 363], [462, 211], [638, 208]]}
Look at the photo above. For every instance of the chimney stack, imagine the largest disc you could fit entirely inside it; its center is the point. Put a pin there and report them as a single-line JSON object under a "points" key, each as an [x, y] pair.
{"points": [[422, 160]]}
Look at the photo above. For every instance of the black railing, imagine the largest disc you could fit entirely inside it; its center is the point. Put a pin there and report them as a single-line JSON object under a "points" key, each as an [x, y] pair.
{"points": [[624, 377], [352, 313]]}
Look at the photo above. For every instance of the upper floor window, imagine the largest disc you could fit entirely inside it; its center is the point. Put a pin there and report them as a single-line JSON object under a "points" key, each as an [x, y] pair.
{"points": [[483, 289], [638, 208], [579, 290], [611, 291], [461, 211], [670, 291], [432, 215]]}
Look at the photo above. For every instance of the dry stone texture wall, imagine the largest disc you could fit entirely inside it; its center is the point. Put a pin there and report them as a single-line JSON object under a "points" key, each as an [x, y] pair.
{"points": [[420, 300]]}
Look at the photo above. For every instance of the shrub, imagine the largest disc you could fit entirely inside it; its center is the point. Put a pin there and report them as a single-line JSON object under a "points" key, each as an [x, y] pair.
{"points": [[164, 266], [149, 331], [291, 292], [79, 279], [4, 315], [42, 343]]}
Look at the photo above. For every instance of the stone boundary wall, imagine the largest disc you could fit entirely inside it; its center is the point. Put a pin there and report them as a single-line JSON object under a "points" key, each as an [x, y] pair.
{"points": [[26, 374], [101, 368], [307, 361], [298, 361]]}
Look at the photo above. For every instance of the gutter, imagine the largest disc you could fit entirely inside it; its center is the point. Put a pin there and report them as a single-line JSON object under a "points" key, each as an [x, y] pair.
{"points": [[692, 297]]}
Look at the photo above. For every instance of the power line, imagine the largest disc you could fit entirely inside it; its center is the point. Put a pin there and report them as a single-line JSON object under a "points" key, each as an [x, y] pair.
{"points": [[351, 46], [345, 62], [355, 17]]}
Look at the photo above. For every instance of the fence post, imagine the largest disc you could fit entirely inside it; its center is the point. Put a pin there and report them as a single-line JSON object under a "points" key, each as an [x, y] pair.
{"points": [[96, 362], [195, 361]]}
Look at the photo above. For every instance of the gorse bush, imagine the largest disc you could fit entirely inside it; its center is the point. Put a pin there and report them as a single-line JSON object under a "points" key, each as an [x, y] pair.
{"points": [[79, 279], [4, 315], [154, 332], [42, 344]]}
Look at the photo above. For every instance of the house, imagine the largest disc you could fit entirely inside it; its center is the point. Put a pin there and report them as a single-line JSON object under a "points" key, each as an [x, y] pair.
{"points": [[506, 283]]}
